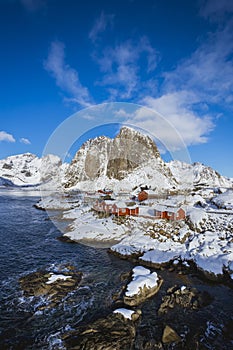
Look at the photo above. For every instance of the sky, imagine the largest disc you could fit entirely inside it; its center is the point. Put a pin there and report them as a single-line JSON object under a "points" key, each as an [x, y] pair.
{"points": [[174, 57]]}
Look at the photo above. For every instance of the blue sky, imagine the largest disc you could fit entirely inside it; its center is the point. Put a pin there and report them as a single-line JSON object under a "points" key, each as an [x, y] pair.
{"points": [[174, 56]]}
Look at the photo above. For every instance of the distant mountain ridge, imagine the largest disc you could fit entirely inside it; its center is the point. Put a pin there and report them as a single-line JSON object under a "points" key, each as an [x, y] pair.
{"points": [[29, 170], [126, 161]]}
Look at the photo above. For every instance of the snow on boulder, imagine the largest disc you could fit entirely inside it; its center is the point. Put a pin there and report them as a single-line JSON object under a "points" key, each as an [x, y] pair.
{"points": [[53, 278], [128, 314], [196, 217], [144, 284]]}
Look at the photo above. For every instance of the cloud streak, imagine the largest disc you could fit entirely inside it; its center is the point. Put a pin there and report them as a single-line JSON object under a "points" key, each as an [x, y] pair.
{"points": [[25, 141], [123, 66], [66, 77], [100, 25], [4, 136], [208, 71]]}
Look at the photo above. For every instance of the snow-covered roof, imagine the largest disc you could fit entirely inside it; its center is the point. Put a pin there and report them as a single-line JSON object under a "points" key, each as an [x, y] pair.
{"points": [[109, 201], [150, 192], [166, 208], [121, 204]]}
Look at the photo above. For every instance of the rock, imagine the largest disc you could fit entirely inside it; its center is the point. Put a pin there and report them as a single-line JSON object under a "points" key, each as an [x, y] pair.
{"points": [[144, 285], [114, 158], [111, 333], [136, 315], [65, 239], [53, 285], [144, 294], [170, 336], [184, 297]]}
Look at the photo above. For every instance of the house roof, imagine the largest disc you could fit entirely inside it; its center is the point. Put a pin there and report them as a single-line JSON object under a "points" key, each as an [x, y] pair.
{"points": [[167, 208], [150, 192], [109, 201]]}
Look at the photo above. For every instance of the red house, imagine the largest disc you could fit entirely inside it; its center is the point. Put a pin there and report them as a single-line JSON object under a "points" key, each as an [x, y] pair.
{"points": [[142, 196], [147, 194], [116, 208], [169, 213]]}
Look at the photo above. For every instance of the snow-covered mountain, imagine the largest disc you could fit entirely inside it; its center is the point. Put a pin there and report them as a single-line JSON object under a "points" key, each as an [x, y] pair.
{"points": [[197, 174], [29, 170], [124, 162], [131, 158]]}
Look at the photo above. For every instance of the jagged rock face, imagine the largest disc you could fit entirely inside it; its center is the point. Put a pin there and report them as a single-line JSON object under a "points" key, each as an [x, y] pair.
{"points": [[114, 158]]}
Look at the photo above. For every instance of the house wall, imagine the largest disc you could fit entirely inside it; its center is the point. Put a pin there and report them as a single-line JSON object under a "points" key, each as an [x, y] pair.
{"points": [[181, 214]]}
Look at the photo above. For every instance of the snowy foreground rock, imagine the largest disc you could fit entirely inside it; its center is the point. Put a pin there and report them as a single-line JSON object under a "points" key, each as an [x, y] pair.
{"points": [[144, 285]]}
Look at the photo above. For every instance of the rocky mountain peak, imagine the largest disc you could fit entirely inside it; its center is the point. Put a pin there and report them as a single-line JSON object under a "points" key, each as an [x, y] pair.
{"points": [[114, 158]]}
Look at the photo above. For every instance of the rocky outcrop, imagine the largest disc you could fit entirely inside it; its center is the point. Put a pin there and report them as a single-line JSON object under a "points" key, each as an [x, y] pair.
{"points": [[114, 158], [54, 286], [110, 333], [184, 297]]}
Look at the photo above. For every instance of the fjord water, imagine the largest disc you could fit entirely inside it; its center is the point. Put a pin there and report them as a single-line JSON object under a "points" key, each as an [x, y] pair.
{"points": [[28, 243]]}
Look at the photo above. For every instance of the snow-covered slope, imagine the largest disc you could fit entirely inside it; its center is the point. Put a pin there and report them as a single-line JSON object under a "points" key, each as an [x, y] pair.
{"points": [[21, 169], [224, 200], [197, 174], [29, 170]]}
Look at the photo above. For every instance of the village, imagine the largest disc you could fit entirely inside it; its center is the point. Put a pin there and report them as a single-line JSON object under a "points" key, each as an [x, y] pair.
{"points": [[144, 203]]}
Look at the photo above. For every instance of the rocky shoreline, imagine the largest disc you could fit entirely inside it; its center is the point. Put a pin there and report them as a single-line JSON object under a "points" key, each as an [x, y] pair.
{"points": [[180, 266]]}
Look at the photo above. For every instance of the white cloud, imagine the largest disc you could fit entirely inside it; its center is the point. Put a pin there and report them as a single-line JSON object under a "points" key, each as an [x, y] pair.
{"points": [[170, 119], [178, 119], [101, 25], [4, 136], [66, 77], [123, 68], [25, 141]]}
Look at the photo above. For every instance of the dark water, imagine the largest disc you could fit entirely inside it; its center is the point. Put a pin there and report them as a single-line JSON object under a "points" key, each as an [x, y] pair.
{"points": [[28, 243]]}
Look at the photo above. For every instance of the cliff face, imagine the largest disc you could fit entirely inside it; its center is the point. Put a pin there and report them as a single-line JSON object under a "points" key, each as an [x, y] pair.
{"points": [[114, 158]]}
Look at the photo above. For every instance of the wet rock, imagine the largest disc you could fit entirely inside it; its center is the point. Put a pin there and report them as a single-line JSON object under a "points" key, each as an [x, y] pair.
{"points": [[111, 333], [37, 206], [184, 297], [53, 285], [65, 239], [170, 336]]}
